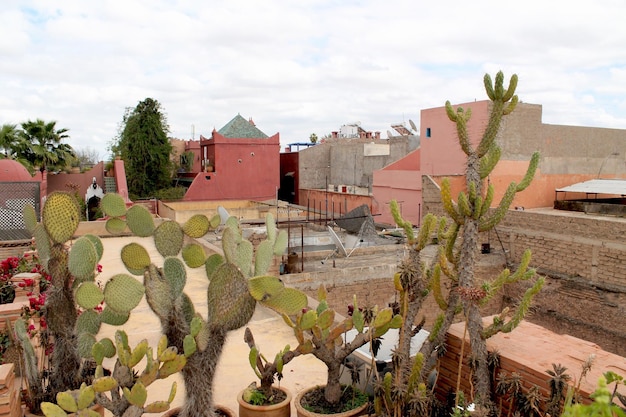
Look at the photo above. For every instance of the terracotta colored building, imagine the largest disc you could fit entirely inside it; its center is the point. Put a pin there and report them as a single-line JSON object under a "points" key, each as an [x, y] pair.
{"points": [[569, 155], [238, 162]]}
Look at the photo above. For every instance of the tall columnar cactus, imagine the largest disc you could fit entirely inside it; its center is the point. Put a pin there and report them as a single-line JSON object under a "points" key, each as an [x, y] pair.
{"points": [[318, 332], [237, 280], [402, 391], [72, 266], [124, 392], [471, 214]]}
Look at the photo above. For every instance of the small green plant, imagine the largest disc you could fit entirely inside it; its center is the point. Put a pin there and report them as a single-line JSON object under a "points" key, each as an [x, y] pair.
{"points": [[124, 392], [602, 405], [319, 334], [266, 371]]}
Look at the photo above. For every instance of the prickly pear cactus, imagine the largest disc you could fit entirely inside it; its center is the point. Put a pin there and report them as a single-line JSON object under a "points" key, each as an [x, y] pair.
{"points": [[318, 332], [232, 295], [125, 392]]}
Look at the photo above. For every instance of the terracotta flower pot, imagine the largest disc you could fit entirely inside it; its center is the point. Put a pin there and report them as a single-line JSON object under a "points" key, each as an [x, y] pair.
{"points": [[302, 412], [282, 409]]}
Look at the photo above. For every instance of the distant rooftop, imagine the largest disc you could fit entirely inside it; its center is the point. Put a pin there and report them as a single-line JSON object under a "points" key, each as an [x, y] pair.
{"points": [[239, 127]]}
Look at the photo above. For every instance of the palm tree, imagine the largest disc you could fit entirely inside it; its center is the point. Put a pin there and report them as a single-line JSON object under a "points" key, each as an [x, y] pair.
{"points": [[45, 149], [9, 136], [15, 146]]}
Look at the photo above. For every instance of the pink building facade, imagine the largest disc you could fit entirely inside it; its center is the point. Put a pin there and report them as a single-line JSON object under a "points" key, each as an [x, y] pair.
{"points": [[238, 162], [569, 154]]}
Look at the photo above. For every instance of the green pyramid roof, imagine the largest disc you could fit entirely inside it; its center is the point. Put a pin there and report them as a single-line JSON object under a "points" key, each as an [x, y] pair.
{"points": [[239, 127]]}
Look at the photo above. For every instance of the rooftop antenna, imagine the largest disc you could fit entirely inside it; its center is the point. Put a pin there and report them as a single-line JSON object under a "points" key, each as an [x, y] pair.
{"points": [[193, 132]]}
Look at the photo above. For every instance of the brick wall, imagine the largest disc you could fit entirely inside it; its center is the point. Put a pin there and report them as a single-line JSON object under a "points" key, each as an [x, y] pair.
{"points": [[592, 247], [583, 258]]}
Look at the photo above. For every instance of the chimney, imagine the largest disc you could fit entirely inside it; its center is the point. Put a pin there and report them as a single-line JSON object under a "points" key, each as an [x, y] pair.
{"points": [[251, 122]]}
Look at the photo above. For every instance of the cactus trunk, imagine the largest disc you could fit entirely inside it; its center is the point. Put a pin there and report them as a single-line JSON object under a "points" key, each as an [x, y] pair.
{"points": [[332, 391], [61, 314]]}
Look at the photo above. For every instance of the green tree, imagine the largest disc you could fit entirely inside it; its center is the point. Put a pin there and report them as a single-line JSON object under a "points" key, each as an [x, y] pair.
{"points": [[45, 149], [9, 137], [145, 148], [313, 138]]}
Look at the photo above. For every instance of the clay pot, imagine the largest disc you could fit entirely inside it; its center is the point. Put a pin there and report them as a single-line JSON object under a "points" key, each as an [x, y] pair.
{"points": [[302, 412], [173, 412], [282, 409]]}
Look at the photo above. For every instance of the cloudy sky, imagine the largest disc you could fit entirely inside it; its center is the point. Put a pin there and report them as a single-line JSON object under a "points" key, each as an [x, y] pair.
{"points": [[298, 67]]}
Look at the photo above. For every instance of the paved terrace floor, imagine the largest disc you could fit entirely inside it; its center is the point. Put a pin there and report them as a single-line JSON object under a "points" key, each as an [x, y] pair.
{"points": [[234, 372]]}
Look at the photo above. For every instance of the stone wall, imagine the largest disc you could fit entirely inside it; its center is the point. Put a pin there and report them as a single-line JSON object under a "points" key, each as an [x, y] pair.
{"points": [[583, 258]]}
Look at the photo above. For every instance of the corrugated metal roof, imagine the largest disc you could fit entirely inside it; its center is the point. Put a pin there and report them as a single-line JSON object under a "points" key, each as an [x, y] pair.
{"points": [[239, 127], [598, 186]]}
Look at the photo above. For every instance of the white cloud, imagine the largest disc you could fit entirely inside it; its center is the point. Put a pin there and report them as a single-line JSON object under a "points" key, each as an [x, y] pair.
{"points": [[303, 67]]}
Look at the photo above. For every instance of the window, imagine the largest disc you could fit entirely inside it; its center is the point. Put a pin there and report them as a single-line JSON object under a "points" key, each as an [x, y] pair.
{"points": [[428, 132]]}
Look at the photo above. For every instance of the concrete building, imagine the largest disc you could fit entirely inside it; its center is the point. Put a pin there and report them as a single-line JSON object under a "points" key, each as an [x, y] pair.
{"points": [[569, 154], [338, 172]]}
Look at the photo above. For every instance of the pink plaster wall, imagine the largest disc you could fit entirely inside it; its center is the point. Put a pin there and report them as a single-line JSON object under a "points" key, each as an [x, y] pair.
{"points": [[441, 153], [243, 169], [400, 181]]}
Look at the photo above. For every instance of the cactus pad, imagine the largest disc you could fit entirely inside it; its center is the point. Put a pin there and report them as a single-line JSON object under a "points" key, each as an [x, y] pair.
{"points": [[60, 216], [88, 295], [83, 258], [42, 241], [85, 344], [211, 264], [114, 318], [122, 293], [176, 276], [158, 293], [264, 257], [230, 305], [115, 226], [193, 255], [280, 245], [30, 218], [88, 322], [113, 205], [197, 226], [97, 243], [140, 221], [168, 238], [289, 301], [135, 258], [264, 287]]}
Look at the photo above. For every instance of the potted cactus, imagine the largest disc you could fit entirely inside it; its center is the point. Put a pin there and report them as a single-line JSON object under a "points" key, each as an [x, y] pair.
{"points": [[73, 309], [318, 333], [237, 280], [265, 399], [124, 392]]}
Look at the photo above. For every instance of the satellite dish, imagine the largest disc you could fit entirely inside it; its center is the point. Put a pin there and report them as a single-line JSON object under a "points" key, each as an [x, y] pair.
{"points": [[389, 134], [223, 215], [413, 125], [337, 242]]}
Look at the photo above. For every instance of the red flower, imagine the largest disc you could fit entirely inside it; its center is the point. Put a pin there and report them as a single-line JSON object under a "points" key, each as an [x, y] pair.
{"points": [[99, 268]]}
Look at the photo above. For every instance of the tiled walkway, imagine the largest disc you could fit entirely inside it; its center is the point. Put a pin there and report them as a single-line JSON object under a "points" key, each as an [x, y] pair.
{"points": [[234, 372]]}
